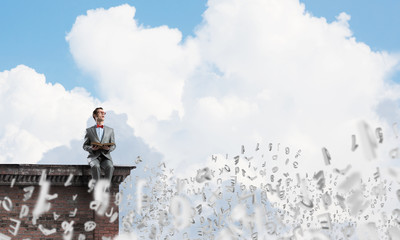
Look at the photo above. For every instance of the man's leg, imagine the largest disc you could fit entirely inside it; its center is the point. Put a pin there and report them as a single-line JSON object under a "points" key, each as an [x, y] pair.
{"points": [[108, 167], [95, 168]]}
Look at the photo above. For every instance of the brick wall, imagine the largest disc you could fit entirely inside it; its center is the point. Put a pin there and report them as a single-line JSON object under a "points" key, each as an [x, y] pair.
{"points": [[71, 204]]}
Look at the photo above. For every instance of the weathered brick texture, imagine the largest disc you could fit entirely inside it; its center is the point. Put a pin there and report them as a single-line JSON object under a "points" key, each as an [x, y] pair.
{"points": [[72, 202]]}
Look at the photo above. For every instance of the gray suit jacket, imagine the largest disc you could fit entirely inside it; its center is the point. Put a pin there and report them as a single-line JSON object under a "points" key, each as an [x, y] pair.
{"points": [[91, 136]]}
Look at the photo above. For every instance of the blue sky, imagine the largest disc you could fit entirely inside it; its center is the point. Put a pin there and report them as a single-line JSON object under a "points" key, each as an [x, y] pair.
{"points": [[373, 22], [33, 32]]}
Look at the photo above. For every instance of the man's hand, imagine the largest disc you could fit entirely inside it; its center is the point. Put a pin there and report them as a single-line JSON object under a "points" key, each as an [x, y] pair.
{"points": [[95, 147], [106, 148]]}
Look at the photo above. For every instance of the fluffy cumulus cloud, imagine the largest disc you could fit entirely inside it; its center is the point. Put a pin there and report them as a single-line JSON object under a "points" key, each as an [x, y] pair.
{"points": [[259, 71], [38, 116], [140, 68]]}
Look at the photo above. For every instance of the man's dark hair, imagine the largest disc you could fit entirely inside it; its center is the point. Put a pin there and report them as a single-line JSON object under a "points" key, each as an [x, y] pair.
{"points": [[95, 112]]}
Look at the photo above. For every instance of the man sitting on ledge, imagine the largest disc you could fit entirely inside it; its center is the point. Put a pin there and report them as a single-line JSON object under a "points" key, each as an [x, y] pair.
{"points": [[99, 142]]}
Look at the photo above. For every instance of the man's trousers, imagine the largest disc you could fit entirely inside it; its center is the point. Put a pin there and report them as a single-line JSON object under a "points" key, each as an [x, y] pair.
{"points": [[99, 163]]}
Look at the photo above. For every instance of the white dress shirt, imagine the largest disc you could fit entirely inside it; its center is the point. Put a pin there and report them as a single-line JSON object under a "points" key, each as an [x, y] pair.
{"points": [[100, 132]]}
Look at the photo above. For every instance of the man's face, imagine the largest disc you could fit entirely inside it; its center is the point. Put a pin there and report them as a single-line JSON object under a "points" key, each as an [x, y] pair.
{"points": [[101, 114]]}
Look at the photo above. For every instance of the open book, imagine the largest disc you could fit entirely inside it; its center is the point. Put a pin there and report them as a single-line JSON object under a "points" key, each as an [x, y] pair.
{"points": [[102, 144]]}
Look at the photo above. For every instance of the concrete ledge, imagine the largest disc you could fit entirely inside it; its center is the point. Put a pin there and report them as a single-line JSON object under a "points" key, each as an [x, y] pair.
{"points": [[29, 174]]}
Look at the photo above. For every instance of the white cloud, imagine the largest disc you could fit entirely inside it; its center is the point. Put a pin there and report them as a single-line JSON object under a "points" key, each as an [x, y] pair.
{"points": [[38, 116], [145, 68], [256, 71]]}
